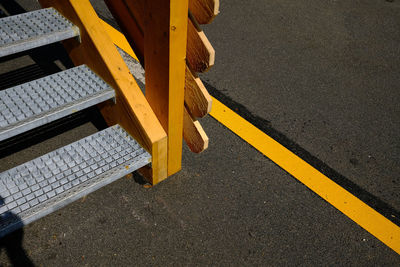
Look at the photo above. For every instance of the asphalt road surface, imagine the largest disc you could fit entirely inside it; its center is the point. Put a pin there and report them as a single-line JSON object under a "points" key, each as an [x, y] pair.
{"points": [[322, 78]]}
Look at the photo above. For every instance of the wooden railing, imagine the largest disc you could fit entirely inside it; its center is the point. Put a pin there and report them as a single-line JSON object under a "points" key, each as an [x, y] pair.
{"points": [[159, 31], [170, 45]]}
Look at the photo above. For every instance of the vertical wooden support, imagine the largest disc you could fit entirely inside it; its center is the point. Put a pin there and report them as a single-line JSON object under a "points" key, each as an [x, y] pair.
{"points": [[132, 111], [165, 37], [204, 10], [131, 25]]}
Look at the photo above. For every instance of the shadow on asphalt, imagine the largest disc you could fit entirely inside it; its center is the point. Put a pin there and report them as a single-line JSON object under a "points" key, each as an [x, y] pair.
{"points": [[264, 125], [48, 59], [12, 243], [45, 59], [47, 131]]}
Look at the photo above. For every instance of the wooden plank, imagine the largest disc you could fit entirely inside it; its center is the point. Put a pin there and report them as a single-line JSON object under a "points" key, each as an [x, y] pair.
{"points": [[197, 100], [198, 103], [131, 110], [200, 53], [130, 25], [119, 39], [137, 9], [193, 134], [165, 38], [204, 10], [130, 16]]}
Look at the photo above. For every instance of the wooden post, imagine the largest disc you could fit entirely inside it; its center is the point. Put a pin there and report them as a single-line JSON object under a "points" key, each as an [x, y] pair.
{"points": [[132, 111], [204, 10], [165, 37]]}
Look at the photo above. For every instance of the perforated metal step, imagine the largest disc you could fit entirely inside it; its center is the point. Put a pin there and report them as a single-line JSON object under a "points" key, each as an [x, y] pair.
{"points": [[34, 29], [36, 103], [43, 185]]}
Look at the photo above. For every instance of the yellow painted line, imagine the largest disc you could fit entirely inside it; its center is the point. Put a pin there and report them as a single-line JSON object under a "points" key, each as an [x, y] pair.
{"points": [[344, 201], [351, 206]]}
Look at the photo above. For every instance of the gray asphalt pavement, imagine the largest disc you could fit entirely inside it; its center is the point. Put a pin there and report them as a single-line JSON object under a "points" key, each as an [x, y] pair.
{"points": [[322, 78], [325, 74]]}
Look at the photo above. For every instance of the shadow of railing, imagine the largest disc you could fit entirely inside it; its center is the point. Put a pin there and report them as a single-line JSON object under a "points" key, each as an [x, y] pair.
{"points": [[47, 60], [44, 59], [12, 242], [371, 200], [45, 63]]}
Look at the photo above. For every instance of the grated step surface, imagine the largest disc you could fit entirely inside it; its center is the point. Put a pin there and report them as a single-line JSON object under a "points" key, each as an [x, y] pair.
{"points": [[38, 102], [34, 29], [45, 184]]}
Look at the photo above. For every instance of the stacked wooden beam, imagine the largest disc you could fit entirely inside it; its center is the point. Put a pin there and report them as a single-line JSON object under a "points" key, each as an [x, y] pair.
{"points": [[200, 56]]}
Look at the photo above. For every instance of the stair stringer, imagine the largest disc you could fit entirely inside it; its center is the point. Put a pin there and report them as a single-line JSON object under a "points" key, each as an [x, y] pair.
{"points": [[131, 111]]}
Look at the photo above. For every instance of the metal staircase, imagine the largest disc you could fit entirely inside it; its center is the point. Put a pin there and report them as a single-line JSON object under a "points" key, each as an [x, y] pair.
{"points": [[41, 101], [33, 29], [51, 181]]}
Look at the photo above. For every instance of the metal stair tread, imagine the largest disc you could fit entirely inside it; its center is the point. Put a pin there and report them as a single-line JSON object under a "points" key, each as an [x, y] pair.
{"points": [[44, 100], [34, 29], [49, 182]]}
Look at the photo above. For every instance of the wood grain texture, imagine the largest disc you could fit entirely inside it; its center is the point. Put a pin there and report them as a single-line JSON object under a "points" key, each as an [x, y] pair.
{"points": [[193, 134], [200, 53], [128, 20], [204, 10], [137, 9], [130, 15], [197, 100], [131, 111], [165, 38]]}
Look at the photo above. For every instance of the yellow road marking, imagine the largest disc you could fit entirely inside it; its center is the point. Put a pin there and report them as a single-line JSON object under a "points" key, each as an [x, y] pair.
{"points": [[348, 204], [351, 206]]}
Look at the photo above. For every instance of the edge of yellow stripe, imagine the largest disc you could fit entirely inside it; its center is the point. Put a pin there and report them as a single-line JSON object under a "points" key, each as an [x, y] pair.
{"points": [[348, 204], [344, 201]]}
